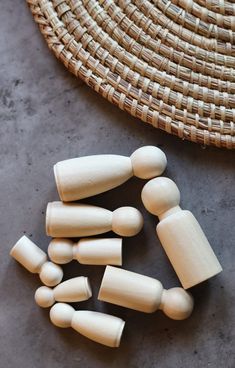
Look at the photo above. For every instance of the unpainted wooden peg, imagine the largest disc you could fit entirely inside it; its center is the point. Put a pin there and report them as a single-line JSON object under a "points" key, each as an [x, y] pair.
{"points": [[180, 233], [142, 293], [100, 327], [92, 251], [83, 177], [76, 289], [34, 259], [78, 220]]}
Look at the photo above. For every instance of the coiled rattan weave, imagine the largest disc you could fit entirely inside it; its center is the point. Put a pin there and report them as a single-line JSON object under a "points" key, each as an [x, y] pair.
{"points": [[169, 63]]}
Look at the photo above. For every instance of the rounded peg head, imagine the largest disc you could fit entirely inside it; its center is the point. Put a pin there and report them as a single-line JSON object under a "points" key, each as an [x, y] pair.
{"points": [[177, 303], [44, 297], [51, 274], [160, 195], [148, 162], [60, 250], [61, 315], [127, 221]]}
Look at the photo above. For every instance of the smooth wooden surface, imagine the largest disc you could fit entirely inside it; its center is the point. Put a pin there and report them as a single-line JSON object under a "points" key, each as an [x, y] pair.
{"points": [[28, 254], [142, 293], [99, 327], [188, 249], [91, 251], [78, 220], [34, 259], [83, 177], [180, 234], [73, 290]]}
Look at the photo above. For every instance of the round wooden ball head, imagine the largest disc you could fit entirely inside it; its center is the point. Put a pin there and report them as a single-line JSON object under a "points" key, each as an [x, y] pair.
{"points": [[61, 315], [44, 297], [127, 221], [176, 303], [51, 274], [160, 195], [148, 162], [62, 250]]}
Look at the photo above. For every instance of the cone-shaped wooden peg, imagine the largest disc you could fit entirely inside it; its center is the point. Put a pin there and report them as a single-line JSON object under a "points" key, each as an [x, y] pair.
{"points": [[100, 327], [76, 289], [83, 177]]}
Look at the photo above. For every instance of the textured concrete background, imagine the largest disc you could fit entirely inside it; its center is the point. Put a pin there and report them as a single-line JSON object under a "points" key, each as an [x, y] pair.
{"points": [[47, 115]]}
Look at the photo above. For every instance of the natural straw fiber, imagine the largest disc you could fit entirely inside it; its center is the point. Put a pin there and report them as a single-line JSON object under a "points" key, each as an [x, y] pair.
{"points": [[169, 63]]}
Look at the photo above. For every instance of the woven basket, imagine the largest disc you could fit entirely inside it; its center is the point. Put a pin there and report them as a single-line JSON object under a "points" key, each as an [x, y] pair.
{"points": [[169, 63]]}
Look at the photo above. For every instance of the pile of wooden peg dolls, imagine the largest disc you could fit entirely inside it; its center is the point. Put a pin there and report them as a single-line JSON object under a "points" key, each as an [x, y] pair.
{"points": [[179, 232]]}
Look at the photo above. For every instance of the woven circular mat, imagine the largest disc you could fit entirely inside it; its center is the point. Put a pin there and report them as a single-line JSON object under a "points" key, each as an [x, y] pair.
{"points": [[169, 63]]}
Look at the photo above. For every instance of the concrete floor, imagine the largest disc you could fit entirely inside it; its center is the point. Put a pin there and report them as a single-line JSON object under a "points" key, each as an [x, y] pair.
{"points": [[48, 115]]}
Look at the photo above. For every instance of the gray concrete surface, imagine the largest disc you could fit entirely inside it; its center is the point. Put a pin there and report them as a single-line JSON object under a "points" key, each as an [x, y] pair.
{"points": [[48, 115]]}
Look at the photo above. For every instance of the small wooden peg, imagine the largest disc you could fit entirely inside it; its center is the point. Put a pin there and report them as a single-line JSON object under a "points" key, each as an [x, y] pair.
{"points": [[92, 251], [29, 255], [100, 327], [76, 289]]}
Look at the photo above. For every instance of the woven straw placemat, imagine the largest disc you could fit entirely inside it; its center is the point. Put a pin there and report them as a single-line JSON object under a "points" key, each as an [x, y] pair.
{"points": [[169, 63]]}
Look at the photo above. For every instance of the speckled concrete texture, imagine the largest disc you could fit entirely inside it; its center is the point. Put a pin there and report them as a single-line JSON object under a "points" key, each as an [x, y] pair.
{"points": [[48, 115]]}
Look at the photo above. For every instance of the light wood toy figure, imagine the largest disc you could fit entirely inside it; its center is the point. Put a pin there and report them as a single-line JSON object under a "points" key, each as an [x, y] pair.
{"points": [[78, 220], [29, 255], [142, 293], [102, 328], [76, 289], [180, 234], [83, 177], [91, 251]]}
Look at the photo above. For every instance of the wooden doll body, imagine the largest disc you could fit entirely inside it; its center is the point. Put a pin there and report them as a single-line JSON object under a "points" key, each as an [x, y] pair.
{"points": [[76, 289], [187, 248], [83, 177], [34, 259], [100, 327], [180, 233], [92, 251], [78, 220], [142, 293]]}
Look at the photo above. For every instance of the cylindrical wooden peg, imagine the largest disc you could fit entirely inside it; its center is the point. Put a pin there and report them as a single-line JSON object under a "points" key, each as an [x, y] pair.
{"points": [[91, 251], [180, 234], [29, 255], [132, 290], [78, 220]]}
